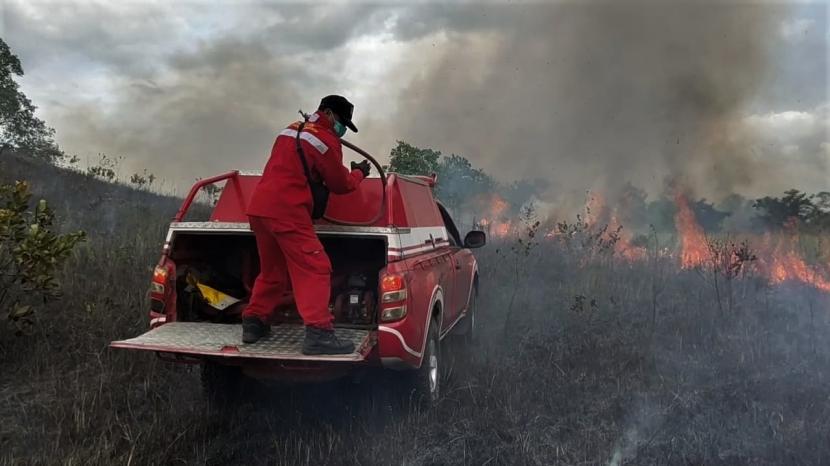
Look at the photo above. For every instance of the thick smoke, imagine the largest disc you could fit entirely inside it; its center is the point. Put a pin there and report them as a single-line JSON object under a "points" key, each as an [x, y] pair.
{"points": [[592, 95]]}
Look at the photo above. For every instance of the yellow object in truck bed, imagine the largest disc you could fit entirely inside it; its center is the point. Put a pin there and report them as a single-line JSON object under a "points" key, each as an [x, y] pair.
{"points": [[215, 298]]}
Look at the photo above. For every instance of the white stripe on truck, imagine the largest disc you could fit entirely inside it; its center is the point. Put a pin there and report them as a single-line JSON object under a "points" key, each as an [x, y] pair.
{"points": [[402, 242]]}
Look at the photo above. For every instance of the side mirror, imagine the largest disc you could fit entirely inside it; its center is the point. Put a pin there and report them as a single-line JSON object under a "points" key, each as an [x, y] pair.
{"points": [[475, 239]]}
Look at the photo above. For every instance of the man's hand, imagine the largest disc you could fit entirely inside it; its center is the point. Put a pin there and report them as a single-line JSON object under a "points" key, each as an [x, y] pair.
{"points": [[363, 167]]}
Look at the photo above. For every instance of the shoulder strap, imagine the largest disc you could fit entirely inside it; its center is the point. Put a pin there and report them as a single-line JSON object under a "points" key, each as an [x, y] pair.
{"points": [[300, 151]]}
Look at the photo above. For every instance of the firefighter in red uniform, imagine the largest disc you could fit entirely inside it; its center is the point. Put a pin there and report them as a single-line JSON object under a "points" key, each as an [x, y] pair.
{"points": [[280, 213]]}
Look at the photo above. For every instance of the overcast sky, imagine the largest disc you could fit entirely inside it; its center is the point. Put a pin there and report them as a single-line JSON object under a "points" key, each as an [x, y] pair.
{"points": [[727, 96]]}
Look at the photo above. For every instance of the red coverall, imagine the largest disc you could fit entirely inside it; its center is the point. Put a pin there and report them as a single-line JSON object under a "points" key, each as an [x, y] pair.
{"points": [[280, 216]]}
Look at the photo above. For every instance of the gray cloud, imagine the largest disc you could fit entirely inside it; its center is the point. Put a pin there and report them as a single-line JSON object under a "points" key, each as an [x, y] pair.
{"points": [[136, 38], [170, 101], [796, 144], [216, 109], [582, 94], [124, 35], [798, 79]]}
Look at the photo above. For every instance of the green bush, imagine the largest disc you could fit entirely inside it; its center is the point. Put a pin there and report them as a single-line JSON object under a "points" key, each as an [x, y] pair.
{"points": [[30, 254]]}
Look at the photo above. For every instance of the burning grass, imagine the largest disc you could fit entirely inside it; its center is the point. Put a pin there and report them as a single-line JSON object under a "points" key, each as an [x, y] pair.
{"points": [[779, 257]]}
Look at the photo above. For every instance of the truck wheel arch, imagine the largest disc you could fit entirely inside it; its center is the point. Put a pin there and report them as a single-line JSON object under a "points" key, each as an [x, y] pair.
{"points": [[474, 283], [436, 310]]}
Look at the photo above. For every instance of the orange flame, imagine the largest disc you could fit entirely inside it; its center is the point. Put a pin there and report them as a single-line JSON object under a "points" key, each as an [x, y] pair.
{"points": [[498, 206], [778, 256], [598, 214], [693, 246], [494, 222], [595, 208], [780, 261], [623, 246], [499, 229]]}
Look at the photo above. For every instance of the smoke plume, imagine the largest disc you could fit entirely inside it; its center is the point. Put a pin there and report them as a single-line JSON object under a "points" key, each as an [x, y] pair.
{"points": [[595, 94]]}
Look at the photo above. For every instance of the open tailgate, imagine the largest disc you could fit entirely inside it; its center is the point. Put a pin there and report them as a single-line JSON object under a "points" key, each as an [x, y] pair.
{"points": [[207, 339]]}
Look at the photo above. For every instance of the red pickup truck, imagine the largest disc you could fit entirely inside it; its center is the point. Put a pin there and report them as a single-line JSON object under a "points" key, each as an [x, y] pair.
{"points": [[402, 281]]}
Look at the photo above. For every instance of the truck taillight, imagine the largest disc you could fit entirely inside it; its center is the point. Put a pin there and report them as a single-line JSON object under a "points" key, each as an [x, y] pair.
{"points": [[159, 280], [160, 274], [392, 283], [393, 313], [163, 292], [393, 298]]}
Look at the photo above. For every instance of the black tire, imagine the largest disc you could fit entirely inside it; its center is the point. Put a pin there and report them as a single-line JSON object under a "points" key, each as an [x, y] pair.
{"points": [[469, 331], [221, 384], [425, 382], [460, 345]]}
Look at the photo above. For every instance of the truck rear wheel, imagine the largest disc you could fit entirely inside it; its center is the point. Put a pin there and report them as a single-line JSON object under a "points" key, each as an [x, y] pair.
{"points": [[460, 345], [469, 331], [220, 384], [425, 381]]}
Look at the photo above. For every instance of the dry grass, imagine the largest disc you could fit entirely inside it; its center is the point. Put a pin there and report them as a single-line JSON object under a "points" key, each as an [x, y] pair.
{"points": [[606, 362]]}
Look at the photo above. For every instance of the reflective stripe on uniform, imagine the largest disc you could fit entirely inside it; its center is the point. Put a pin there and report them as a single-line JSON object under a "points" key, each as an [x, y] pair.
{"points": [[292, 133], [307, 137]]}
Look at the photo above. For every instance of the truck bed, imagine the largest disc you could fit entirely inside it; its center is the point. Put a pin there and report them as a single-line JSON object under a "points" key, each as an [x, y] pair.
{"points": [[208, 339]]}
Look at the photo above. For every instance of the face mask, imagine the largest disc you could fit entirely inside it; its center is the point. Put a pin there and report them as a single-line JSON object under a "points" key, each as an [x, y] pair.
{"points": [[339, 129]]}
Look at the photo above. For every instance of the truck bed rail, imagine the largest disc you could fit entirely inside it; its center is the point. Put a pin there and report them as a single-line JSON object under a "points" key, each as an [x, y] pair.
{"points": [[198, 187]]}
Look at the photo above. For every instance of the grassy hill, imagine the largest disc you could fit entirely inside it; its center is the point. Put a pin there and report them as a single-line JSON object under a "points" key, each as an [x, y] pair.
{"points": [[85, 202], [585, 358]]}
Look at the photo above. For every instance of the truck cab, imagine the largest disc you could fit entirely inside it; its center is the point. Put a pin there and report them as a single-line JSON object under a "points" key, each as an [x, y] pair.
{"points": [[403, 279]]}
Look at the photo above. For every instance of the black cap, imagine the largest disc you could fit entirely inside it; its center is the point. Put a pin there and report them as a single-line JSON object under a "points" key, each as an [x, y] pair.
{"points": [[341, 107]]}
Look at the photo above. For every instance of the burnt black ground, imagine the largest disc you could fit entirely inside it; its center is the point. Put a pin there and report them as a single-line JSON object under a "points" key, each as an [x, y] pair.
{"points": [[604, 362]]}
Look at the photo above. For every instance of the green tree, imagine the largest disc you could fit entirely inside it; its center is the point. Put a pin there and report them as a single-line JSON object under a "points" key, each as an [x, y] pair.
{"points": [[633, 206], [143, 180], [709, 217], [31, 254], [822, 201], [793, 206], [410, 160], [20, 129], [459, 182], [520, 192], [660, 213]]}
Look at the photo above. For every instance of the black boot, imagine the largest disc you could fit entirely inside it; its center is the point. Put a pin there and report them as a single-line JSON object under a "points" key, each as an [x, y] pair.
{"points": [[253, 329], [322, 341]]}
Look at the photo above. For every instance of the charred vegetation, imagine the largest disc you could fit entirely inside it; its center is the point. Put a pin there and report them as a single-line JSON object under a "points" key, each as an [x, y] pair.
{"points": [[607, 359]]}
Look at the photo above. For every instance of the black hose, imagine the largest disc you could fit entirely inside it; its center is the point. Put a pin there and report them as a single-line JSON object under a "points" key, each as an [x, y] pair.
{"points": [[382, 174]]}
